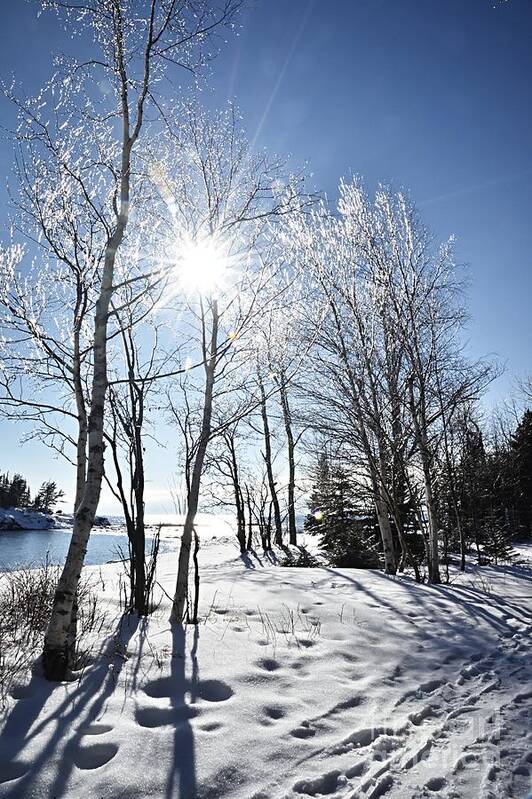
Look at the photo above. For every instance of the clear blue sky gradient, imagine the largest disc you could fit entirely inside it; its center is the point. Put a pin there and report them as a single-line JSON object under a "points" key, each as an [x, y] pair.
{"points": [[434, 96]]}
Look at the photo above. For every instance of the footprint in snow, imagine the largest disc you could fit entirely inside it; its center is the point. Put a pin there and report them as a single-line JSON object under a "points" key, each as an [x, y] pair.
{"points": [[273, 713], [303, 731], [436, 783], [152, 717], [208, 690], [211, 726], [95, 755], [306, 642], [299, 667], [469, 760], [268, 664], [325, 784]]}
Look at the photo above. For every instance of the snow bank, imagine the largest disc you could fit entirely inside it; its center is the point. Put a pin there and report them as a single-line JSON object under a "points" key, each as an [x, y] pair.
{"points": [[297, 683]]}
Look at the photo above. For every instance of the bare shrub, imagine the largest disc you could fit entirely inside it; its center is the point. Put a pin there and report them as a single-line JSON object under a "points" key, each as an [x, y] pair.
{"points": [[26, 598]]}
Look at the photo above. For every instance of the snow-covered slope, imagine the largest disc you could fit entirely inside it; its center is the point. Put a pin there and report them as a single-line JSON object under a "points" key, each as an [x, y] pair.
{"points": [[298, 683], [17, 519]]}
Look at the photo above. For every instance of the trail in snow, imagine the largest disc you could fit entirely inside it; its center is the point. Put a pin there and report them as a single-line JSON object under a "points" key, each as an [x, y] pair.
{"points": [[471, 737]]}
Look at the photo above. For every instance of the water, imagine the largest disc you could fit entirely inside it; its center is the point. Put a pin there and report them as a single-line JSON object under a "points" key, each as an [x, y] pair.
{"points": [[31, 547]]}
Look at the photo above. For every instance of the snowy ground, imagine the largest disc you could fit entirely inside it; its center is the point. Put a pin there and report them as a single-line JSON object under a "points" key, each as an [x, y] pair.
{"points": [[299, 682]]}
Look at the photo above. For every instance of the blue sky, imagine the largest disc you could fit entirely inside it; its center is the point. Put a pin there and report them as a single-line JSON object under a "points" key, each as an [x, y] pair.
{"points": [[434, 96]]}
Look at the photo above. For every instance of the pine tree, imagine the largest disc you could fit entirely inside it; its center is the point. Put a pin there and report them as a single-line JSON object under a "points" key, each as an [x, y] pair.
{"points": [[498, 543], [472, 480], [521, 467], [18, 495], [47, 497], [346, 528], [4, 490], [319, 492]]}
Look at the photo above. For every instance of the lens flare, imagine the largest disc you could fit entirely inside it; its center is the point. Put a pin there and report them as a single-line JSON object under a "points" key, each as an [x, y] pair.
{"points": [[202, 266]]}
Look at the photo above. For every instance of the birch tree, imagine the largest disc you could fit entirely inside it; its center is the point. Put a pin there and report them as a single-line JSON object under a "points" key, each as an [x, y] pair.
{"points": [[225, 200], [133, 48], [342, 353]]}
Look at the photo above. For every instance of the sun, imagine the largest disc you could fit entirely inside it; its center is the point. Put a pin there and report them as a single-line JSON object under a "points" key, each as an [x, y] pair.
{"points": [[202, 266]]}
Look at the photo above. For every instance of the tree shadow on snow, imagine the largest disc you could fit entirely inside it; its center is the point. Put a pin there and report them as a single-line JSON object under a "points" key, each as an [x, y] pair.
{"points": [[181, 780], [86, 701], [479, 606], [77, 717]]}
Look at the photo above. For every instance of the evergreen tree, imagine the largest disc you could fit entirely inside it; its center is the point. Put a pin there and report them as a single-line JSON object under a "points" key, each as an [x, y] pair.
{"points": [[4, 490], [498, 543], [346, 528], [18, 495], [319, 492], [47, 497], [472, 479], [15, 493], [521, 466]]}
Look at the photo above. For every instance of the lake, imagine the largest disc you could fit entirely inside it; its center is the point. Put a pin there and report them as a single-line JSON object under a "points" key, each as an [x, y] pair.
{"points": [[32, 547]]}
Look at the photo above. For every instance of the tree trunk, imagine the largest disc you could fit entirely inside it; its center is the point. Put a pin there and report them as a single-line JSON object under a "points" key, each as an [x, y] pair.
{"points": [[249, 545], [57, 659], [181, 591], [269, 468], [239, 499], [287, 417], [141, 600], [422, 444], [386, 533]]}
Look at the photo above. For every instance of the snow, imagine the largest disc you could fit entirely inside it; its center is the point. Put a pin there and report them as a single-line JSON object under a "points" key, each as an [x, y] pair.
{"points": [[18, 519], [297, 683]]}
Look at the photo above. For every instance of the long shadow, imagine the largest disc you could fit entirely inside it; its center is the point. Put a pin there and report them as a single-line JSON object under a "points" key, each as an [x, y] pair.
{"points": [[493, 609], [247, 561], [520, 570], [94, 688], [182, 775]]}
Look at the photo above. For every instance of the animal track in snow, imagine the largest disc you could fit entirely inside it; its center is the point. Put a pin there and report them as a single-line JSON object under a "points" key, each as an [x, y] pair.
{"points": [[306, 642], [424, 689], [436, 783], [305, 730], [214, 691]]}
